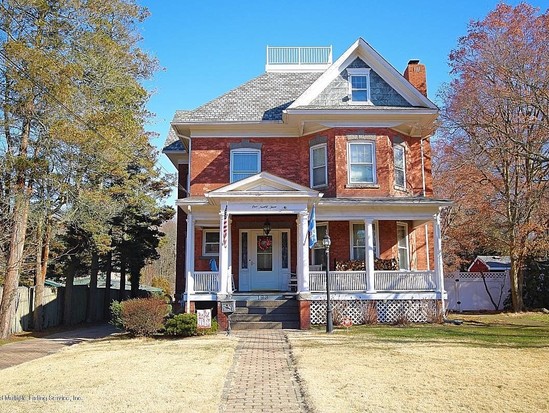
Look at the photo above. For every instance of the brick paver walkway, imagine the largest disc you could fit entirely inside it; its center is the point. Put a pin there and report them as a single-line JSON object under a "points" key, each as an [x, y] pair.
{"points": [[262, 378]]}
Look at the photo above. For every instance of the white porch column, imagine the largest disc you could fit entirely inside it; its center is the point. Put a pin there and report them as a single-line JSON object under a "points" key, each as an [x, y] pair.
{"points": [[369, 255], [439, 266], [224, 241], [189, 260], [302, 264]]}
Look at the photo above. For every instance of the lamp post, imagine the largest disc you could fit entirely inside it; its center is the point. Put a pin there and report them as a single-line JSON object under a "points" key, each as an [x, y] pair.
{"points": [[326, 242]]}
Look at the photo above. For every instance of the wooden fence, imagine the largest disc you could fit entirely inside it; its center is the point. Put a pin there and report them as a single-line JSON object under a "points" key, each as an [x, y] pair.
{"points": [[53, 305], [475, 291]]}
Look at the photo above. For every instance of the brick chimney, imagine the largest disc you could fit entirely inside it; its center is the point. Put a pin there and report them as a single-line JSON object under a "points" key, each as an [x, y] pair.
{"points": [[415, 74]]}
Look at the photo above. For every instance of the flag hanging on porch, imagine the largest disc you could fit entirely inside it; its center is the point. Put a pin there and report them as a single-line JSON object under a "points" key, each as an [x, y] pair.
{"points": [[225, 227], [312, 228]]}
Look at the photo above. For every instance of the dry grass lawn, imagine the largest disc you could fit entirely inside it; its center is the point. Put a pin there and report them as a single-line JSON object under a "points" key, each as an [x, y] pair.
{"points": [[482, 366], [138, 375]]}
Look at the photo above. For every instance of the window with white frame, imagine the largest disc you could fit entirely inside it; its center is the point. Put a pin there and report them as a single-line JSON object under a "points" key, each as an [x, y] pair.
{"points": [[361, 162], [359, 85], [210, 242], [245, 163], [358, 241], [400, 166], [319, 166], [402, 241], [318, 254]]}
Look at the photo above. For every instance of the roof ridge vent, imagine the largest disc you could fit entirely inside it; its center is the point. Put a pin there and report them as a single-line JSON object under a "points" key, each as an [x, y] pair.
{"points": [[298, 58]]}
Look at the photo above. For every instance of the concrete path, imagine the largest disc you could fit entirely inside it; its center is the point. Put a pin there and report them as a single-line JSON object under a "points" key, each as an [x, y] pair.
{"points": [[263, 377], [22, 351]]}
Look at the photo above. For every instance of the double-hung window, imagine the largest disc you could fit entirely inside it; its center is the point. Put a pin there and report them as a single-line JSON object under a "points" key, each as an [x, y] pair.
{"points": [[361, 158], [210, 242], [400, 166], [244, 163], [402, 240], [319, 166], [319, 253], [358, 241], [359, 85]]}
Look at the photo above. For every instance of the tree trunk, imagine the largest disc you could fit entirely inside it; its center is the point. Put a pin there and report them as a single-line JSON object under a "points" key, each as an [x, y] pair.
{"points": [[134, 279], [122, 294], [92, 296], [516, 285], [107, 299]]}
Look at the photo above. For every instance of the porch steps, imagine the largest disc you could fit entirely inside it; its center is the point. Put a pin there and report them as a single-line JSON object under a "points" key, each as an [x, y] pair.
{"points": [[265, 314]]}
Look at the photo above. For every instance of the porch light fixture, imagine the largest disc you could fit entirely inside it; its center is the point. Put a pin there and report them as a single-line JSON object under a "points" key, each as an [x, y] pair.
{"points": [[267, 227], [326, 242]]}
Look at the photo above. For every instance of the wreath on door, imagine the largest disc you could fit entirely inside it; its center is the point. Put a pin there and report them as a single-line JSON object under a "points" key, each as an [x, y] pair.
{"points": [[264, 242]]}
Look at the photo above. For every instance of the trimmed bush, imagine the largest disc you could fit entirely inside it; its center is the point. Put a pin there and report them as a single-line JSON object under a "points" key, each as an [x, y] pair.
{"points": [[143, 316], [185, 325], [116, 310]]}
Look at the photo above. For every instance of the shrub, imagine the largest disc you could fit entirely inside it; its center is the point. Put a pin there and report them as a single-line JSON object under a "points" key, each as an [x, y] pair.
{"points": [[116, 310], [185, 325], [143, 316], [164, 283]]}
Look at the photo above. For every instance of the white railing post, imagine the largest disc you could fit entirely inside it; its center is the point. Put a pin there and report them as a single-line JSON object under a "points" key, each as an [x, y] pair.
{"points": [[302, 267], [369, 255], [189, 260]]}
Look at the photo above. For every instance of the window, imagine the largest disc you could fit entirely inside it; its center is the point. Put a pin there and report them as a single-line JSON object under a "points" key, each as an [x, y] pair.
{"points": [[319, 170], [210, 242], [400, 166], [402, 240], [358, 241], [244, 163], [361, 157], [318, 255], [359, 85]]}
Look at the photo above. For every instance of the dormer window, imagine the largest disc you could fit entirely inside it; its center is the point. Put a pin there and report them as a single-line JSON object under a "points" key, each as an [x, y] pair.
{"points": [[359, 86], [245, 163]]}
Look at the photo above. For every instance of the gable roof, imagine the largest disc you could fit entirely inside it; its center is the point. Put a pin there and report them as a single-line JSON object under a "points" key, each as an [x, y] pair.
{"points": [[263, 184], [493, 262], [260, 99], [363, 51]]}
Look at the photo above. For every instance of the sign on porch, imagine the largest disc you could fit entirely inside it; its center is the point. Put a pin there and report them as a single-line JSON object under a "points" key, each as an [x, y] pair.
{"points": [[204, 318]]}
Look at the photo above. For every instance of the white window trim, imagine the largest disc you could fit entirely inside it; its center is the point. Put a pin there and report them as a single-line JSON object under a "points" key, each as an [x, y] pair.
{"points": [[359, 71], [400, 146], [204, 232], [245, 150], [376, 236], [405, 226], [311, 149], [374, 167]]}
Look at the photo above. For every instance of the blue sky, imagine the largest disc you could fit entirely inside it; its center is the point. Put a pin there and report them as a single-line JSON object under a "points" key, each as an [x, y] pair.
{"points": [[208, 47]]}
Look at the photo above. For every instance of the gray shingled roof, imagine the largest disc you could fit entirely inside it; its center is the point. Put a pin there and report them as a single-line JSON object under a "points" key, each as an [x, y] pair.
{"points": [[172, 143], [261, 99]]}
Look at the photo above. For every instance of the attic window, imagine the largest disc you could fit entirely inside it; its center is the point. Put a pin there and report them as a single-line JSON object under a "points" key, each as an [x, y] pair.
{"points": [[359, 85]]}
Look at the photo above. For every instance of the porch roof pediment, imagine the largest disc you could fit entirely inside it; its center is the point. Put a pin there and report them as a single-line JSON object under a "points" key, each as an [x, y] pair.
{"points": [[266, 185]]}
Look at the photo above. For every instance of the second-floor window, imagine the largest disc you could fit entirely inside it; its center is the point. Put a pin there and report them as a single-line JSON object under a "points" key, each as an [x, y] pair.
{"points": [[319, 166], [400, 166], [244, 163], [361, 158]]}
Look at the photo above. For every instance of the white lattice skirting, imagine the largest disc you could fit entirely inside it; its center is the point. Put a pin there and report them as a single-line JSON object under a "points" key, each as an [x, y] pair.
{"points": [[371, 312]]}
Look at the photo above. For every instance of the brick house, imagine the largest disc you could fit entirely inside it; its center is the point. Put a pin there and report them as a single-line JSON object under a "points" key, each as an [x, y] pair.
{"points": [[348, 138]]}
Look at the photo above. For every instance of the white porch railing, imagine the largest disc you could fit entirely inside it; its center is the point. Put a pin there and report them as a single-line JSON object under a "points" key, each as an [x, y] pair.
{"points": [[339, 281], [405, 280], [206, 281], [383, 281]]}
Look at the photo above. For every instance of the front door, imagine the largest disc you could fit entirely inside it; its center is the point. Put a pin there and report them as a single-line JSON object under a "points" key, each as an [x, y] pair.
{"points": [[264, 263]]}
